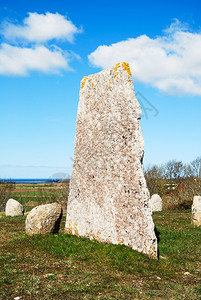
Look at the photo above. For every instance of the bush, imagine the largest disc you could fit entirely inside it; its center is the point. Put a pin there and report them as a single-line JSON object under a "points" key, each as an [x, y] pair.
{"points": [[155, 181], [175, 182], [182, 196]]}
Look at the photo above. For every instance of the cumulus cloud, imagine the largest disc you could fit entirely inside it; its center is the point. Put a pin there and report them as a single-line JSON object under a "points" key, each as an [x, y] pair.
{"points": [[41, 28], [19, 61], [38, 55], [170, 62]]}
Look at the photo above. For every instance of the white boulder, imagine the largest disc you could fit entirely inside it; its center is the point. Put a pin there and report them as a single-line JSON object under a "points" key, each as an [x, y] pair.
{"points": [[156, 203], [14, 208]]}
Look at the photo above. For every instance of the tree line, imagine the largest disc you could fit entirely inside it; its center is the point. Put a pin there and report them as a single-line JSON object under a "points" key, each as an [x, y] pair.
{"points": [[177, 183]]}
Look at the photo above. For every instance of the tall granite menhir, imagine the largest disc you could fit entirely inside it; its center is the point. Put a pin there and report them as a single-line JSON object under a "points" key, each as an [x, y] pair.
{"points": [[109, 199]]}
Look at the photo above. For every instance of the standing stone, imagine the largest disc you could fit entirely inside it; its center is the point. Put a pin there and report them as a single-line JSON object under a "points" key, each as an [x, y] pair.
{"points": [[196, 211], [156, 203], [14, 208], [109, 199], [44, 219]]}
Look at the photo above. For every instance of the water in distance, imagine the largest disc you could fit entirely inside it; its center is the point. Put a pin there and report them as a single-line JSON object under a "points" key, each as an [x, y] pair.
{"points": [[32, 180]]}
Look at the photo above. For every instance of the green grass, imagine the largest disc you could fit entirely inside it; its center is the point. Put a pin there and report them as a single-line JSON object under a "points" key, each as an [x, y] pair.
{"points": [[31, 194], [67, 267], [44, 197], [44, 193]]}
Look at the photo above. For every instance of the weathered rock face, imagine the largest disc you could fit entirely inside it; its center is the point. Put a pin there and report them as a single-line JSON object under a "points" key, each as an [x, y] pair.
{"points": [[156, 203], [196, 211], [109, 199], [14, 208], [44, 219]]}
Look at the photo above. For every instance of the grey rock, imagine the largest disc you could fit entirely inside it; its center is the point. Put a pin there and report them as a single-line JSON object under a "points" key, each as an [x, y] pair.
{"points": [[14, 208], [44, 219], [108, 199], [156, 203]]}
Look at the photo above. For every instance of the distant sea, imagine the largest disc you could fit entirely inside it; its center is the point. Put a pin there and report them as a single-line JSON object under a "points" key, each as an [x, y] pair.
{"points": [[31, 180]]}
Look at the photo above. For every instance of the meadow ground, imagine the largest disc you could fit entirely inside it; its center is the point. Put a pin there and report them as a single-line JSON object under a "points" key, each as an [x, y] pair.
{"points": [[40, 193], [66, 267]]}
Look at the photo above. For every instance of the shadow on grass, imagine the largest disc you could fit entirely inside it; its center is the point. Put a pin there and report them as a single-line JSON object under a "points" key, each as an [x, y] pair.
{"points": [[157, 233]]}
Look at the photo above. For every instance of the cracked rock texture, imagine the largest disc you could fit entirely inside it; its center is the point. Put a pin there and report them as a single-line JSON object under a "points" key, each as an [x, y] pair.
{"points": [[156, 203], [196, 211], [44, 219], [14, 208], [109, 200]]}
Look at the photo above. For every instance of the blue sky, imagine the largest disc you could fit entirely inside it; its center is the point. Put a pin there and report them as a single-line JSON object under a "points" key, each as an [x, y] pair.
{"points": [[46, 47]]}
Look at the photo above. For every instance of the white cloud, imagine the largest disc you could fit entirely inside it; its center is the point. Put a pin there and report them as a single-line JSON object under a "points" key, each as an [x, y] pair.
{"points": [[171, 62], [38, 55], [41, 28], [19, 61]]}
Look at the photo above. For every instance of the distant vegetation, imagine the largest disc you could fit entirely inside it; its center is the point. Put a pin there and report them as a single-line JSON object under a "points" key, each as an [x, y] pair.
{"points": [[175, 182], [34, 194]]}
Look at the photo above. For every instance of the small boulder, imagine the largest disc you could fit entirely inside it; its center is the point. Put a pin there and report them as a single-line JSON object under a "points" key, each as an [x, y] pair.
{"points": [[196, 211], [156, 203], [14, 208], [44, 219]]}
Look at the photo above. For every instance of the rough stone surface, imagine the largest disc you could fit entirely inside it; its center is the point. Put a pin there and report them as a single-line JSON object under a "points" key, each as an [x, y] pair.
{"points": [[196, 211], [44, 219], [14, 208], [156, 203], [109, 199]]}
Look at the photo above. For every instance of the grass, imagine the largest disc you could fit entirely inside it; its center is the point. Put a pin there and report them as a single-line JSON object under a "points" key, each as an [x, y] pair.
{"points": [[40, 193], [66, 267]]}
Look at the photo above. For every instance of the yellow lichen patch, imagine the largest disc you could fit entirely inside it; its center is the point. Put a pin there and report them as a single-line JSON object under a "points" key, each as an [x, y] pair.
{"points": [[97, 236], [126, 67], [123, 65], [72, 228], [92, 84], [69, 230], [84, 79], [120, 241], [116, 67], [153, 253], [109, 87], [75, 225], [115, 70], [75, 230]]}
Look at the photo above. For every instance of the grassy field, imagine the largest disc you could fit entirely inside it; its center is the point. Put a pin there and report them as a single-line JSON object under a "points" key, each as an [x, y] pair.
{"points": [[66, 267], [40, 193]]}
